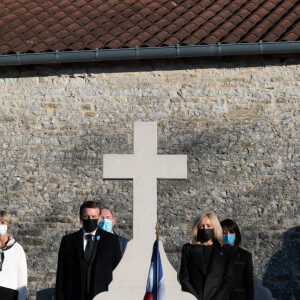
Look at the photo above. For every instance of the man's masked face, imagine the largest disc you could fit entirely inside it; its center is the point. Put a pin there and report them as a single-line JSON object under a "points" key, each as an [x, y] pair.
{"points": [[90, 219]]}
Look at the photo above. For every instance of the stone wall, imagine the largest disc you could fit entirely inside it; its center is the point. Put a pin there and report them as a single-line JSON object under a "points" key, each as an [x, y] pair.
{"points": [[236, 118]]}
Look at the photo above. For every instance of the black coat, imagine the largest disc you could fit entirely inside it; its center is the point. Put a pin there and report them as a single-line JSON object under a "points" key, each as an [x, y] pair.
{"points": [[72, 269], [8, 294], [243, 281], [214, 284]]}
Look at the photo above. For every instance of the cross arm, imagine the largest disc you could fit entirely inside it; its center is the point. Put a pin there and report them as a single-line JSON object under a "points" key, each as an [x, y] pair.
{"points": [[118, 166], [171, 166]]}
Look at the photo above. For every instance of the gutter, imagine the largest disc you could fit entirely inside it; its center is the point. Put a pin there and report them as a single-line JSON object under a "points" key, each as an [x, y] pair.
{"points": [[150, 53]]}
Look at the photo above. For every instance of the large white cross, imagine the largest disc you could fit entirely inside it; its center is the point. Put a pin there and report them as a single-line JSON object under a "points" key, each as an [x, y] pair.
{"points": [[144, 166]]}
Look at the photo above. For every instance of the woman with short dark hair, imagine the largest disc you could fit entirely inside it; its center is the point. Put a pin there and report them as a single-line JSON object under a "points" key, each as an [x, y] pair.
{"points": [[243, 266], [206, 269], [13, 267]]}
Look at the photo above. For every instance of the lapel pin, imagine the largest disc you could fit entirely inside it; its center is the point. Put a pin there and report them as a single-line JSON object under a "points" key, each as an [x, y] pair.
{"points": [[98, 237], [221, 253]]}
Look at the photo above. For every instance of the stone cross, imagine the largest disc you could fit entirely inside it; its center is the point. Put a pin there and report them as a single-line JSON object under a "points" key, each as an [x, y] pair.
{"points": [[144, 166]]}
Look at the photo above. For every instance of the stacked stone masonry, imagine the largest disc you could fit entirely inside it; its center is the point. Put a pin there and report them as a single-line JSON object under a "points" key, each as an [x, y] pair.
{"points": [[236, 118]]}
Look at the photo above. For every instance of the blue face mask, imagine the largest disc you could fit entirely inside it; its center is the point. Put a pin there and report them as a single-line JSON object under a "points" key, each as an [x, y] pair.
{"points": [[229, 239], [106, 225]]}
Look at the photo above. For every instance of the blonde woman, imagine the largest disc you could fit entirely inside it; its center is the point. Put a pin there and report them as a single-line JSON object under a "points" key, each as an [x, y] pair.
{"points": [[13, 267], [207, 269]]}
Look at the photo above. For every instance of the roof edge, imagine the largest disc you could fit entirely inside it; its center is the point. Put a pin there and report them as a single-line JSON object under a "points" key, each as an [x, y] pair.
{"points": [[150, 53]]}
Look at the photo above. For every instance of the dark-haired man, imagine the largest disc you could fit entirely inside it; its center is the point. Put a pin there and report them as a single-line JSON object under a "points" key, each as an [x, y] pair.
{"points": [[86, 258], [107, 223]]}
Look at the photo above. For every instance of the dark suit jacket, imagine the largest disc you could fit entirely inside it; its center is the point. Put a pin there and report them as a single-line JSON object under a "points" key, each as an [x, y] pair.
{"points": [[122, 241], [72, 267], [243, 282], [213, 284]]}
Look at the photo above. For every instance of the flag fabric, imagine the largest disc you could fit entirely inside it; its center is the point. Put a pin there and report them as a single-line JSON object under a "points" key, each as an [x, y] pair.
{"points": [[155, 285]]}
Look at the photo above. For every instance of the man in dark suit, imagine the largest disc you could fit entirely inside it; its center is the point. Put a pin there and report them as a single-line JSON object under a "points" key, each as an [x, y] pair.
{"points": [[107, 223], [86, 258]]}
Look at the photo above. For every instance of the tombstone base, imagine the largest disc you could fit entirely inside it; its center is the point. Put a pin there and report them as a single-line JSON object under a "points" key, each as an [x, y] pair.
{"points": [[130, 277]]}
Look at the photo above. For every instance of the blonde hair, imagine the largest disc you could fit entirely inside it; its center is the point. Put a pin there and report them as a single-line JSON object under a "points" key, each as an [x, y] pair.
{"points": [[4, 217], [217, 229]]}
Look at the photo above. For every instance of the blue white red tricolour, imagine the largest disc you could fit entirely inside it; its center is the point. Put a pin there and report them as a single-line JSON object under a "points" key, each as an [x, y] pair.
{"points": [[155, 285]]}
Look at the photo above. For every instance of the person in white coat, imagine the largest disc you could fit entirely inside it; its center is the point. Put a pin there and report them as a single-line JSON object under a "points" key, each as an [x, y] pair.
{"points": [[13, 266]]}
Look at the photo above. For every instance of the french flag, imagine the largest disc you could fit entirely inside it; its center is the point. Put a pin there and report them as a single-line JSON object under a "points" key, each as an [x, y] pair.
{"points": [[155, 285]]}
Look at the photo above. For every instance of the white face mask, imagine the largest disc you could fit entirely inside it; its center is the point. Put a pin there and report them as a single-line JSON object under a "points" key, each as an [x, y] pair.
{"points": [[3, 229]]}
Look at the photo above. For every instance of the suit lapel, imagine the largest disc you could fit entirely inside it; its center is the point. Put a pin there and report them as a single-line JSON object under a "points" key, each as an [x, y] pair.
{"points": [[197, 254], [97, 241], [101, 242], [97, 254]]}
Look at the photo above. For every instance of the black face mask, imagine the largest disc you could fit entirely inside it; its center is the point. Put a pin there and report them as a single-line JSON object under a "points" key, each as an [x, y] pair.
{"points": [[89, 225], [204, 235]]}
